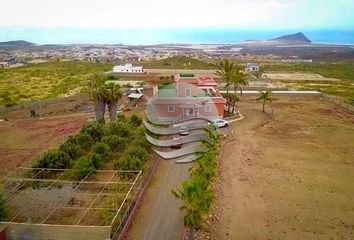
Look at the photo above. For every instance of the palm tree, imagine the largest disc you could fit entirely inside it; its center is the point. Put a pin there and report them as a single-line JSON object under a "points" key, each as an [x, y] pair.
{"points": [[265, 97], [113, 94], [224, 71], [231, 100], [98, 93], [197, 198], [238, 78]]}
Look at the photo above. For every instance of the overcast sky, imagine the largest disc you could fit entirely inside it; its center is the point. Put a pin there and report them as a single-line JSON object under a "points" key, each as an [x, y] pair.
{"points": [[241, 14]]}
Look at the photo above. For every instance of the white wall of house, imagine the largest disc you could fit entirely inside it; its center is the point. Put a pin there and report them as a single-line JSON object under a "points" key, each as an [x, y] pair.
{"points": [[128, 68]]}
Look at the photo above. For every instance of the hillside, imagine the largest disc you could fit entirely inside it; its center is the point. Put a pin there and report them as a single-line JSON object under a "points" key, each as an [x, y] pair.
{"points": [[46, 80], [177, 62], [16, 44], [294, 38]]}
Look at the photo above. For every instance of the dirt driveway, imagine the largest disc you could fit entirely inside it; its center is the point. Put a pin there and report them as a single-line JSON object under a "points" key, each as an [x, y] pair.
{"points": [[159, 217], [292, 178]]}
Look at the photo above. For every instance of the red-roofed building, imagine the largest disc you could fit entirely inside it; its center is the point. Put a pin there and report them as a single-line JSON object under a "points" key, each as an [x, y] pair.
{"points": [[190, 96]]}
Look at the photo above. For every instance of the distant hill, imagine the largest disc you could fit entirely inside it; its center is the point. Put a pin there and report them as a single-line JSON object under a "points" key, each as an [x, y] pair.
{"points": [[16, 44], [295, 38]]}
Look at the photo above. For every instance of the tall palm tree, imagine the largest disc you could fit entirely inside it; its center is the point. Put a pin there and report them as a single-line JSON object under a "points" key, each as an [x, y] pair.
{"points": [[224, 71], [98, 93], [113, 94], [238, 78], [265, 97]]}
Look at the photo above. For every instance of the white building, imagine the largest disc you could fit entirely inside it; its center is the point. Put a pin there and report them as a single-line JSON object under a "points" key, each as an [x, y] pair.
{"points": [[128, 68], [252, 68]]}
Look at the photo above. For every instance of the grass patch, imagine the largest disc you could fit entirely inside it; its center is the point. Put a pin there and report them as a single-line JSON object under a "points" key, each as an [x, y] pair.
{"points": [[47, 80], [178, 62], [340, 70]]}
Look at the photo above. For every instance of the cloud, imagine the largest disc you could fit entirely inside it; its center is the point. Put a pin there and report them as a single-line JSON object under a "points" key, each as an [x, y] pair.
{"points": [[255, 14]]}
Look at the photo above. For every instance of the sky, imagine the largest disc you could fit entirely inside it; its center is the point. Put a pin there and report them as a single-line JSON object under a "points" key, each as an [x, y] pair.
{"points": [[67, 21]]}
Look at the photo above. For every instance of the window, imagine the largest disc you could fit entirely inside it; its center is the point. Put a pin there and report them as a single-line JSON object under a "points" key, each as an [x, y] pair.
{"points": [[188, 92], [170, 108], [208, 108]]}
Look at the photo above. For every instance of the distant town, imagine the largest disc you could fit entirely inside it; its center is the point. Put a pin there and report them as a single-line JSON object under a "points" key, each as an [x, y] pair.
{"points": [[290, 48]]}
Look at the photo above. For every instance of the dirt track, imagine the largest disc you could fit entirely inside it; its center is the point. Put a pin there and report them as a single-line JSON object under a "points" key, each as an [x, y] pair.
{"points": [[289, 179], [159, 217]]}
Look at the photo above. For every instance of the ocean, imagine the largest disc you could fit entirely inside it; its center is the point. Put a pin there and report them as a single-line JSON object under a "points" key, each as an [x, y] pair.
{"points": [[159, 36]]}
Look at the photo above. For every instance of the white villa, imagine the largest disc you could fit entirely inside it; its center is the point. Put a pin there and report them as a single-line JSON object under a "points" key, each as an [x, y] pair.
{"points": [[128, 68]]}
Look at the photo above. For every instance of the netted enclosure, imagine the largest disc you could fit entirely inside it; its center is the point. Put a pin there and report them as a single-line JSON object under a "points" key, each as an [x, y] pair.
{"points": [[48, 204]]}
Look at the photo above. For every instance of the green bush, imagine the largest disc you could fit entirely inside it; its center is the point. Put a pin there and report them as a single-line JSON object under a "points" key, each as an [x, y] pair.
{"points": [[133, 158], [82, 167], [102, 150], [3, 210], [120, 129], [117, 144], [71, 149], [53, 159], [96, 160], [94, 130], [135, 120], [84, 140]]}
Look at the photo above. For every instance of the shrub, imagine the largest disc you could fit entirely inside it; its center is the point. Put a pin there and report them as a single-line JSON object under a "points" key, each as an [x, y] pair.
{"points": [[96, 160], [117, 144], [84, 140], [121, 118], [82, 167], [94, 130], [121, 129], [53, 159], [112, 77], [3, 210], [133, 158], [102, 150], [135, 120], [71, 149]]}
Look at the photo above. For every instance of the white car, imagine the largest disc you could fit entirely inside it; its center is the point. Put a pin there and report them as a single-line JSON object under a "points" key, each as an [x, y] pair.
{"points": [[183, 130], [220, 123]]}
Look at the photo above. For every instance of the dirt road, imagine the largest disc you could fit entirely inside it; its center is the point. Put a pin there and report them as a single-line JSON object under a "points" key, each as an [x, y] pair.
{"points": [[159, 217]]}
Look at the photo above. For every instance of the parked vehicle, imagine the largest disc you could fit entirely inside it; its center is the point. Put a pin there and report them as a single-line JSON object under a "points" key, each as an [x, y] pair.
{"points": [[176, 143], [220, 123], [183, 130]]}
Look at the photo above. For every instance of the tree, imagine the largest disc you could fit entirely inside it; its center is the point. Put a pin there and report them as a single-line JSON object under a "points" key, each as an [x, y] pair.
{"points": [[238, 78], [197, 198], [231, 100], [113, 94], [224, 70], [99, 94], [265, 97]]}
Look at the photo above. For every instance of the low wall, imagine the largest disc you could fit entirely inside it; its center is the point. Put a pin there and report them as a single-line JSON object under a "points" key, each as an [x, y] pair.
{"points": [[55, 232]]}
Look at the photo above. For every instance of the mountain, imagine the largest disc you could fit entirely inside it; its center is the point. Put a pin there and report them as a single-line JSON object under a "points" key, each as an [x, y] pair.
{"points": [[16, 44], [293, 38]]}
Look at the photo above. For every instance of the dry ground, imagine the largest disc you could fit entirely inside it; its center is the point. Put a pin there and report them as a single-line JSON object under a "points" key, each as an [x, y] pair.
{"points": [[299, 77], [22, 140], [292, 178]]}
